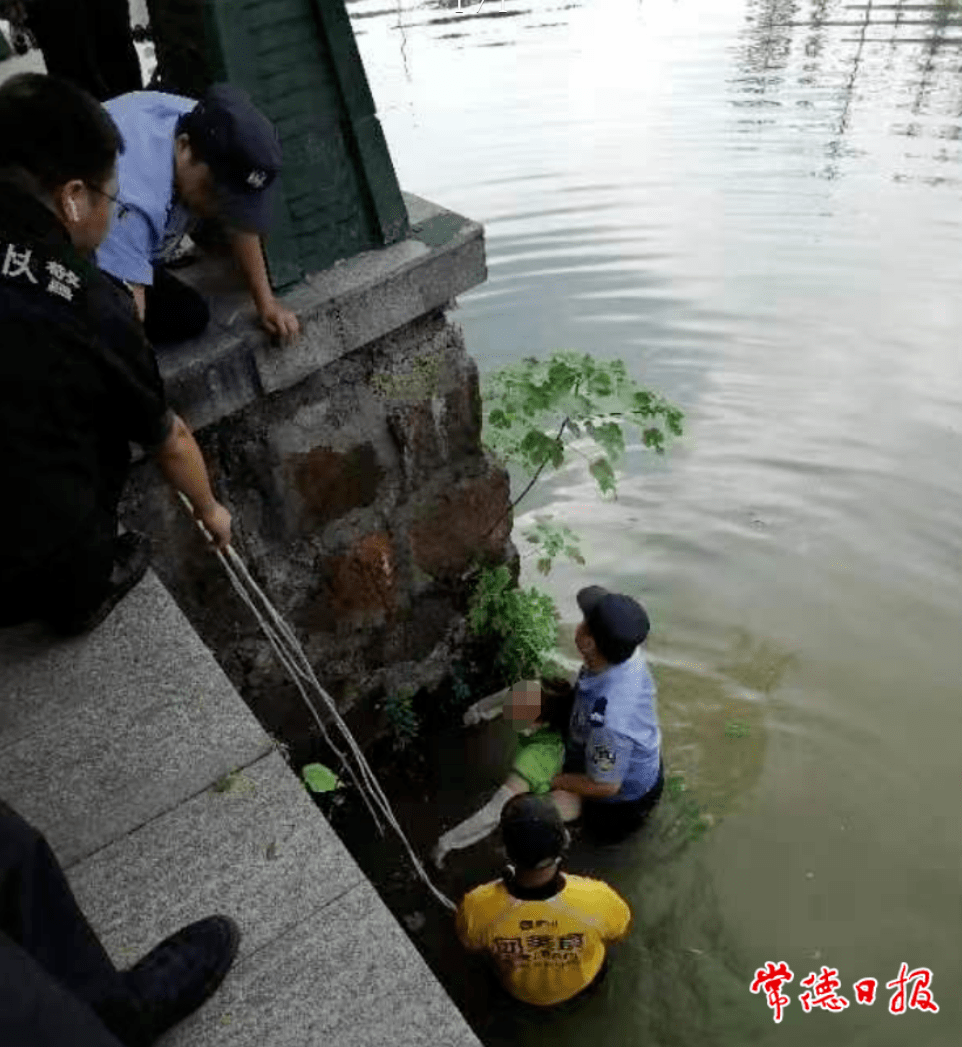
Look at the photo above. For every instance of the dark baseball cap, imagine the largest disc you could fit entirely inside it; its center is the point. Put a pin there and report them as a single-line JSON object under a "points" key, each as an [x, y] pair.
{"points": [[243, 151], [533, 830], [620, 620]]}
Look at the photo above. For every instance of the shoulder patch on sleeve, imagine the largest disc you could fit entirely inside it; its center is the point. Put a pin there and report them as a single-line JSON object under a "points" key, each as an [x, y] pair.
{"points": [[603, 756], [597, 717]]}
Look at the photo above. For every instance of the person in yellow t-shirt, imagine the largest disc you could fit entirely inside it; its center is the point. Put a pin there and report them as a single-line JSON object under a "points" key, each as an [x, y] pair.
{"points": [[545, 932]]}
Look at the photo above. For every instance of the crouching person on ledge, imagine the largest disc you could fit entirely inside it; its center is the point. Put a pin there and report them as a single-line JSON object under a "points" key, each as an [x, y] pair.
{"points": [[59, 987], [545, 932], [78, 380]]}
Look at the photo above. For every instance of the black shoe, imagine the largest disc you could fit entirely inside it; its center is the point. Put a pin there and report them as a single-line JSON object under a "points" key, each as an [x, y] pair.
{"points": [[23, 41], [180, 974], [131, 560]]}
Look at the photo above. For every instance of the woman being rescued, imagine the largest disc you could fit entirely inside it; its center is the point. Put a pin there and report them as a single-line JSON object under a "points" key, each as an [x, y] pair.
{"points": [[539, 712], [613, 775]]}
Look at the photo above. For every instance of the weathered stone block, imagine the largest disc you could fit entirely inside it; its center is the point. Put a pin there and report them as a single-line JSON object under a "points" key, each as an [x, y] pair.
{"points": [[331, 484], [424, 625], [414, 430], [455, 527], [432, 406], [359, 588], [356, 479], [460, 423]]}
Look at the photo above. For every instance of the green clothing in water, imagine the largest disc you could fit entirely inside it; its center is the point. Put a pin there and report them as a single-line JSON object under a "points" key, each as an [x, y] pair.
{"points": [[539, 758]]}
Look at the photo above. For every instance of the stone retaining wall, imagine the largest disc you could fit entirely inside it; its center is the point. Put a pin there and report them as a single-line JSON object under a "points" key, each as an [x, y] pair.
{"points": [[359, 497]]}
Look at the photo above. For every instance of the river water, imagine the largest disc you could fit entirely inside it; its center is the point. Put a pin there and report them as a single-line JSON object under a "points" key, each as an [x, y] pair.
{"points": [[755, 205]]}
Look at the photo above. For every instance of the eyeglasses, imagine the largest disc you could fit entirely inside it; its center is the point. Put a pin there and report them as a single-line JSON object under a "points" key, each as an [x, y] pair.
{"points": [[121, 209]]}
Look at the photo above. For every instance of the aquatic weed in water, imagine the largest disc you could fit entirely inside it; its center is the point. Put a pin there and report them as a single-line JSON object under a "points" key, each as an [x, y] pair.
{"points": [[734, 729]]}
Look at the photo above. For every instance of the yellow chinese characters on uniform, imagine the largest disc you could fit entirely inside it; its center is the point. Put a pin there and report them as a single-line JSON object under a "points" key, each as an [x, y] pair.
{"points": [[546, 951]]}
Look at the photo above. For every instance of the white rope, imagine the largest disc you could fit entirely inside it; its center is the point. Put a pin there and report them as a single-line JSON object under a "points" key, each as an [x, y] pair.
{"points": [[292, 657]]}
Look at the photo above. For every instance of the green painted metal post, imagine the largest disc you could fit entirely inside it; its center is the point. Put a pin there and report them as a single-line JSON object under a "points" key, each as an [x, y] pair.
{"points": [[299, 62]]}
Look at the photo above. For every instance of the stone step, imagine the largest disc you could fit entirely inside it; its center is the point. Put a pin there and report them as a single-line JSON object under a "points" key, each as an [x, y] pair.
{"points": [[116, 745], [260, 851], [321, 960], [346, 976], [102, 733]]}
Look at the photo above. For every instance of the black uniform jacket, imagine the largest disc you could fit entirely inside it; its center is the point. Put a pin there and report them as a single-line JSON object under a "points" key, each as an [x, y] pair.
{"points": [[78, 383]]}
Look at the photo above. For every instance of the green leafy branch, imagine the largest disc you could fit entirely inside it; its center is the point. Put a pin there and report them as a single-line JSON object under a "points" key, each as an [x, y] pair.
{"points": [[553, 540], [525, 622], [593, 399]]}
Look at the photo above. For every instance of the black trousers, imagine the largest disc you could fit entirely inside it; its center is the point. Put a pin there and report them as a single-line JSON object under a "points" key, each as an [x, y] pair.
{"points": [[173, 311], [66, 587], [88, 42], [58, 986], [612, 822]]}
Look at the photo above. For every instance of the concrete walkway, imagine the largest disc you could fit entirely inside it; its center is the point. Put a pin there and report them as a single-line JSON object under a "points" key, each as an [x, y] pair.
{"points": [[116, 746]]}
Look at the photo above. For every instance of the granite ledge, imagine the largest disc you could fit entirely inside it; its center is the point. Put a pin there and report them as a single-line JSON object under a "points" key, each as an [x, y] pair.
{"points": [[341, 309]]}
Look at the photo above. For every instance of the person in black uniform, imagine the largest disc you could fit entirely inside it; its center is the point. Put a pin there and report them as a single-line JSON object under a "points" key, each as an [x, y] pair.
{"points": [[78, 380], [58, 985], [88, 42]]}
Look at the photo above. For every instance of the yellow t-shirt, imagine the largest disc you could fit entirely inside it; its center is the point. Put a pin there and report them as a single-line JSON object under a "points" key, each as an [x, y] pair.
{"points": [[546, 951]]}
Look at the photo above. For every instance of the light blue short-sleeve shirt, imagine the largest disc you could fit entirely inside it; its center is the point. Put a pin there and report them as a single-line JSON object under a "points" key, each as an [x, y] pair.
{"points": [[154, 221], [614, 732]]}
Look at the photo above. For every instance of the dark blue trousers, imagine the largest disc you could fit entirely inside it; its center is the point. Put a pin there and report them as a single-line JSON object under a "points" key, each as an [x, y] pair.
{"points": [[58, 986]]}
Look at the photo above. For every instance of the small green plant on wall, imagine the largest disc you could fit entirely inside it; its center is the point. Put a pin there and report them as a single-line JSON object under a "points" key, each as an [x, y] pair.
{"points": [[525, 623], [458, 695], [402, 717], [524, 403]]}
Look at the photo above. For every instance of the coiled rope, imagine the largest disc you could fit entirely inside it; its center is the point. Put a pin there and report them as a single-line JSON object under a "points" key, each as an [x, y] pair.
{"points": [[292, 657]]}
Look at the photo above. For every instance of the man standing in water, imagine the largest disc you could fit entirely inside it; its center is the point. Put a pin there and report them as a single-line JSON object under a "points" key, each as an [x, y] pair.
{"points": [[545, 932], [613, 773]]}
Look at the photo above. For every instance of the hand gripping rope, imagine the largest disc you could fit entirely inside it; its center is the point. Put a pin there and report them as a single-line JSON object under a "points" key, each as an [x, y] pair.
{"points": [[292, 657]]}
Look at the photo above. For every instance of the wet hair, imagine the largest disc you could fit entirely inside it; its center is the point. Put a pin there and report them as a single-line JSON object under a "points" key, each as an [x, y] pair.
{"points": [[612, 652], [533, 831], [56, 132]]}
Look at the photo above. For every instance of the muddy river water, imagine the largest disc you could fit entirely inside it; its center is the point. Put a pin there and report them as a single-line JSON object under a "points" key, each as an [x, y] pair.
{"points": [[756, 205]]}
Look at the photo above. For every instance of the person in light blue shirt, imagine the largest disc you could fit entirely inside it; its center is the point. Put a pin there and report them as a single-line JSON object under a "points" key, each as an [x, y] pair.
{"points": [[613, 773], [186, 161]]}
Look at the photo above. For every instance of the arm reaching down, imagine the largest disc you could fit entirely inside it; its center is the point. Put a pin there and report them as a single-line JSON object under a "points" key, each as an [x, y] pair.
{"points": [[182, 464]]}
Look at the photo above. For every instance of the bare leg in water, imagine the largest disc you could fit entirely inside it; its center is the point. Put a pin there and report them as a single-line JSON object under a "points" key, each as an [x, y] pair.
{"points": [[481, 823], [485, 821]]}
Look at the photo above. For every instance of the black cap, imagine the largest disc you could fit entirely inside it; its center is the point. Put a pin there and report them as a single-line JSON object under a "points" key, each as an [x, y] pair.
{"points": [[614, 619], [533, 830], [242, 149]]}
